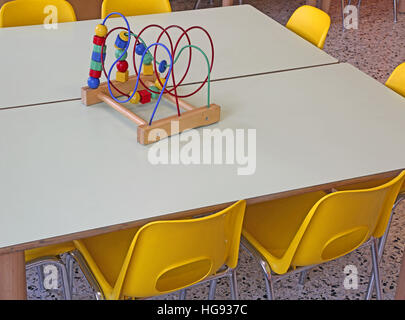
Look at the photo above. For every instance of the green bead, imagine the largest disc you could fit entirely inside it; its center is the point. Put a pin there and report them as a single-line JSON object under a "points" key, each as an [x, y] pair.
{"points": [[97, 48], [154, 95], [97, 66], [148, 58], [119, 52]]}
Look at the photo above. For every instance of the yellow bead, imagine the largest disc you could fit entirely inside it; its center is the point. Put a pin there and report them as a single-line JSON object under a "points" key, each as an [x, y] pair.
{"points": [[136, 98], [147, 69], [122, 76], [101, 30], [157, 84], [124, 35]]}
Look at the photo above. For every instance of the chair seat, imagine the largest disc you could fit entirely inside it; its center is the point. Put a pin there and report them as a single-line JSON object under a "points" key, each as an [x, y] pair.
{"points": [[105, 255], [52, 250], [271, 226]]}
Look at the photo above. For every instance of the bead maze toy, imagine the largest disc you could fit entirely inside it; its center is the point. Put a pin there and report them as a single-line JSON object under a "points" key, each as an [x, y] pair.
{"points": [[150, 82]]}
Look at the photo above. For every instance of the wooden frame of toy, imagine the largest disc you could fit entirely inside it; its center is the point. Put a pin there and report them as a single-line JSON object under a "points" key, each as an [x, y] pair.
{"points": [[149, 83]]}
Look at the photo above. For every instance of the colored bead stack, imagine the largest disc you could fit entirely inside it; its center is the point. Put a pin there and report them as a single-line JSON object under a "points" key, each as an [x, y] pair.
{"points": [[122, 65], [96, 58], [147, 68]]}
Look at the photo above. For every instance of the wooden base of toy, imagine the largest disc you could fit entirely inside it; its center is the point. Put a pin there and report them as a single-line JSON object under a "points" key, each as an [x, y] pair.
{"points": [[191, 117]]}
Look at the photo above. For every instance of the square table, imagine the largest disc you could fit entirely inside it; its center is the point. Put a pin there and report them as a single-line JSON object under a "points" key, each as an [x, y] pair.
{"points": [[70, 171]]}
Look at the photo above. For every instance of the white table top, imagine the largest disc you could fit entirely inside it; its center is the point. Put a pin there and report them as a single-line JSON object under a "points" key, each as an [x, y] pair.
{"points": [[41, 66], [67, 168]]}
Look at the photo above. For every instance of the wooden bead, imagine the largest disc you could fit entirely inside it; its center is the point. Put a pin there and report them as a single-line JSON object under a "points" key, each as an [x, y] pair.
{"points": [[157, 84], [147, 69], [145, 96], [122, 76], [122, 66], [96, 56], [101, 30], [119, 43], [148, 58], [94, 73], [124, 36], [97, 48], [93, 82], [162, 66], [96, 65], [140, 49], [136, 98], [154, 89], [119, 52], [98, 40]]}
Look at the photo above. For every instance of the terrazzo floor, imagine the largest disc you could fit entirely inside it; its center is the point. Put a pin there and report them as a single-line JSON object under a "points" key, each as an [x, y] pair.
{"points": [[375, 48]]}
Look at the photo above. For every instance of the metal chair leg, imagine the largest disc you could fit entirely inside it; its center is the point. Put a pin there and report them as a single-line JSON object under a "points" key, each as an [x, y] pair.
{"points": [[303, 277], [376, 269], [240, 2], [358, 9], [343, 14], [233, 285], [65, 283], [269, 287], [182, 294], [40, 273], [69, 267], [213, 287], [395, 11], [381, 246], [197, 4]]}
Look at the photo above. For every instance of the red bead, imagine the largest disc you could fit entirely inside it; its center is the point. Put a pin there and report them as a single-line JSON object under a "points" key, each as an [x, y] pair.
{"points": [[146, 96], [98, 40], [122, 66], [94, 73]]}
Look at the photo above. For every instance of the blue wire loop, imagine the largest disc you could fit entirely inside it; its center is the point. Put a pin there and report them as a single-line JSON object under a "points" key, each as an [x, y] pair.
{"points": [[139, 73]]}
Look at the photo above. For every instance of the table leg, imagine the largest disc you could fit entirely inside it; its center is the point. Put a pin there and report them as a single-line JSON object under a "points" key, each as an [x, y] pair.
{"points": [[401, 6], [325, 5], [311, 3], [13, 285], [400, 293], [227, 3]]}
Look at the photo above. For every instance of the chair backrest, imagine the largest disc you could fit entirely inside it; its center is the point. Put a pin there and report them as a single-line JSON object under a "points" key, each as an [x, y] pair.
{"points": [[311, 24], [135, 7], [340, 222], [30, 12], [167, 256], [396, 81]]}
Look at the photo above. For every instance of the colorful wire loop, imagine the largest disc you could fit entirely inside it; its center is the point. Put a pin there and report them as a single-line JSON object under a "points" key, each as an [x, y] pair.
{"points": [[141, 49]]}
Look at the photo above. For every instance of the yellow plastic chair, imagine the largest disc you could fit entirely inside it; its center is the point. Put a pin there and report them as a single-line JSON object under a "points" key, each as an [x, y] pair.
{"points": [[164, 256], [396, 81], [294, 234], [135, 7], [51, 255], [310, 23], [30, 12]]}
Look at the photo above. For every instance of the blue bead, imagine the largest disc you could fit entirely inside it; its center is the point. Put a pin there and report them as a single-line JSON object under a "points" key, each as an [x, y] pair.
{"points": [[119, 43], [93, 82], [96, 56], [140, 49], [162, 66]]}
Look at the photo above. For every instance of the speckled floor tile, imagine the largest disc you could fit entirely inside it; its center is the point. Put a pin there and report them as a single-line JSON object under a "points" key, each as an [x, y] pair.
{"points": [[375, 48]]}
